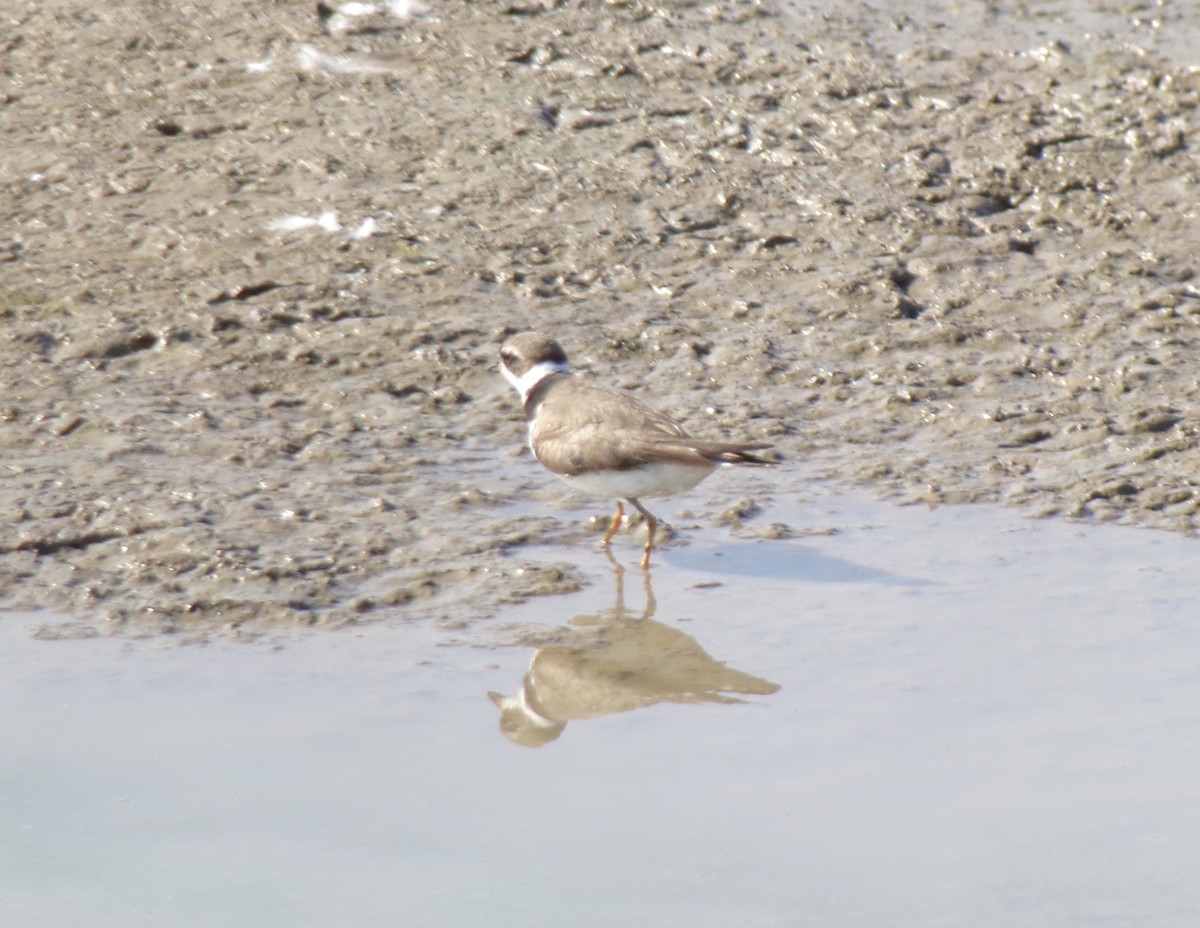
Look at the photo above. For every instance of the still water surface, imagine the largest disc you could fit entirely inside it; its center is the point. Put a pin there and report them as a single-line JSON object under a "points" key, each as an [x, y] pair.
{"points": [[948, 717]]}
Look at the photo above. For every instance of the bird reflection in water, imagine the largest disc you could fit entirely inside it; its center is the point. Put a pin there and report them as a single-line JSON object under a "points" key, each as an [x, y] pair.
{"points": [[614, 662]]}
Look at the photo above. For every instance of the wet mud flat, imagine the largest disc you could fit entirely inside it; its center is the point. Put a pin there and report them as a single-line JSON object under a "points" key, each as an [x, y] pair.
{"points": [[253, 277]]}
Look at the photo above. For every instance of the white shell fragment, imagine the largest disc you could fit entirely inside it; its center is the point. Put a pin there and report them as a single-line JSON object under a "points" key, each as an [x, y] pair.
{"points": [[327, 220]]}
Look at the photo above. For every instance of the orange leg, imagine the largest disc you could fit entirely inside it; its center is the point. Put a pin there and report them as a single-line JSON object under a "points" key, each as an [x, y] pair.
{"points": [[613, 525], [651, 525]]}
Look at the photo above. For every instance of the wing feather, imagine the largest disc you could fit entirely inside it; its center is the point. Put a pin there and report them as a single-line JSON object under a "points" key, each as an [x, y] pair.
{"points": [[584, 427]]}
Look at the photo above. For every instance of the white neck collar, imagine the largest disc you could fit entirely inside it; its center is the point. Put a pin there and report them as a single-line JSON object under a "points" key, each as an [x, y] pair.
{"points": [[525, 384], [520, 702]]}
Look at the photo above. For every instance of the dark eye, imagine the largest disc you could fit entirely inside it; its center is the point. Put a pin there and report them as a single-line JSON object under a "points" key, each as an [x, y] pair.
{"points": [[507, 354]]}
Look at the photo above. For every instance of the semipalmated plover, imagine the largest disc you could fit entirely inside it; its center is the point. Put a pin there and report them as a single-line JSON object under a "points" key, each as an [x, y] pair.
{"points": [[605, 443]]}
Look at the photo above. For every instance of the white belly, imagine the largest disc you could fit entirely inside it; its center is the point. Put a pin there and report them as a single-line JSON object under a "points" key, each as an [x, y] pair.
{"points": [[651, 480]]}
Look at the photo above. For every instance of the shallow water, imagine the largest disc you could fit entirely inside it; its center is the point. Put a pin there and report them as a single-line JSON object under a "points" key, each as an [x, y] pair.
{"points": [[979, 720], [1144, 25]]}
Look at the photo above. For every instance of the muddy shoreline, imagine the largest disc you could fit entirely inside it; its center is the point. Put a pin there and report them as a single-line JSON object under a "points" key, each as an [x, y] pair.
{"points": [[947, 270]]}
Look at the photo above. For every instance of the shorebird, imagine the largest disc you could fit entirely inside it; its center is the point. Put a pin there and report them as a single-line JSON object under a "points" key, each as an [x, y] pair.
{"points": [[606, 443]]}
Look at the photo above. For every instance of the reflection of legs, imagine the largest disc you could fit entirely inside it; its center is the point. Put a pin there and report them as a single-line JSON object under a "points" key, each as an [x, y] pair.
{"points": [[651, 602], [619, 583], [651, 525], [619, 580], [613, 525]]}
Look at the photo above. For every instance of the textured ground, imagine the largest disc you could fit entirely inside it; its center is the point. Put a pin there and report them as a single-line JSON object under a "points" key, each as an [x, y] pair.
{"points": [[951, 264]]}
